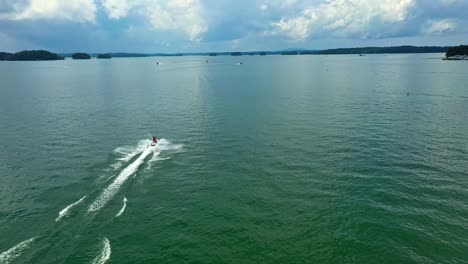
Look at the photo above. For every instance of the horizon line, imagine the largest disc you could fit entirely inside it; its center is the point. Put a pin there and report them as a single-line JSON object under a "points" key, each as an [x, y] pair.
{"points": [[244, 51]]}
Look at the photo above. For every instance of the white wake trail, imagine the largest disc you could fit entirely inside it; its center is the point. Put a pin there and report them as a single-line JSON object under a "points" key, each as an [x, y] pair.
{"points": [[166, 145], [109, 192], [123, 207], [105, 253], [128, 153], [12, 253], [154, 158], [66, 210]]}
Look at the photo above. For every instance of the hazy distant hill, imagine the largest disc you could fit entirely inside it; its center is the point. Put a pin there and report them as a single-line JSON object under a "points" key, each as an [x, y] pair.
{"points": [[104, 56], [365, 50], [380, 50], [126, 55]]}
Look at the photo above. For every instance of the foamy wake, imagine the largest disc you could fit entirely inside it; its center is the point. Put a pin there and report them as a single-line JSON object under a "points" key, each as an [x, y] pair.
{"points": [[128, 153], [12, 253], [108, 193], [105, 253], [66, 210], [154, 158], [165, 145], [123, 207]]}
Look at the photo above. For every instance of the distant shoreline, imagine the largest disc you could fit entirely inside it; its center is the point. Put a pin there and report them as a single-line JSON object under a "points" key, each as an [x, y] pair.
{"points": [[342, 51]]}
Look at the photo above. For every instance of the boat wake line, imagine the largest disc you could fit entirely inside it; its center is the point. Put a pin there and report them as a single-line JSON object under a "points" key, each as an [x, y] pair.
{"points": [[131, 160], [12, 253], [105, 253], [128, 153], [66, 210], [123, 207], [112, 189], [108, 193]]}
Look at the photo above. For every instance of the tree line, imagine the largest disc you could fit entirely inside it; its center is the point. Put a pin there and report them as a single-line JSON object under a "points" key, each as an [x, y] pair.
{"points": [[458, 50], [30, 55], [44, 55]]}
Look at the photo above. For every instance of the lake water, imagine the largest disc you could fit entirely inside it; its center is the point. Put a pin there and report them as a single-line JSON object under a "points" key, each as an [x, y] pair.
{"points": [[282, 159]]}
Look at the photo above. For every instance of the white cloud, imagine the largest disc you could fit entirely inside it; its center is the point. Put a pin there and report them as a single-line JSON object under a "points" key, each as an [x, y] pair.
{"points": [[163, 15], [191, 24], [71, 10], [289, 3], [298, 28], [342, 18], [117, 8], [183, 15], [439, 27]]}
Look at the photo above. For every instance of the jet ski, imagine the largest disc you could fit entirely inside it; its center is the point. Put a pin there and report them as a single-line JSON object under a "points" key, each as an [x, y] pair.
{"points": [[154, 141]]}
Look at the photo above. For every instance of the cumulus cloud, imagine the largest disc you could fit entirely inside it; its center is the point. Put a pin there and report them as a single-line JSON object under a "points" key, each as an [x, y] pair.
{"points": [[70, 10], [344, 18], [184, 15], [240, 24], [163, 15], [439, 27], [117, 8], [296, 20]]}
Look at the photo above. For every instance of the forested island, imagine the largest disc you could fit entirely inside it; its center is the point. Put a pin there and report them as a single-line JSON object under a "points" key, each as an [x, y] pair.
{"points": [[104, 56], [457, 53], [30, 55], [81, 56], [4, 55]]}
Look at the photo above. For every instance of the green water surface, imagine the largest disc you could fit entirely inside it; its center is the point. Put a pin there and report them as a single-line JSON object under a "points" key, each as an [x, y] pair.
{"points": [[283, 159]]}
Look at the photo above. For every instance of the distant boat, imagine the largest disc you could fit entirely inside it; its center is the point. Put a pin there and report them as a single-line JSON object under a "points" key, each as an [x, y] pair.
{"points": [[362, 55]]}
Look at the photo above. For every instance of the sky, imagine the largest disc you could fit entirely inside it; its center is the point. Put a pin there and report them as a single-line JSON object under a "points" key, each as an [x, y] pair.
{"points": [[228, 25]]}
